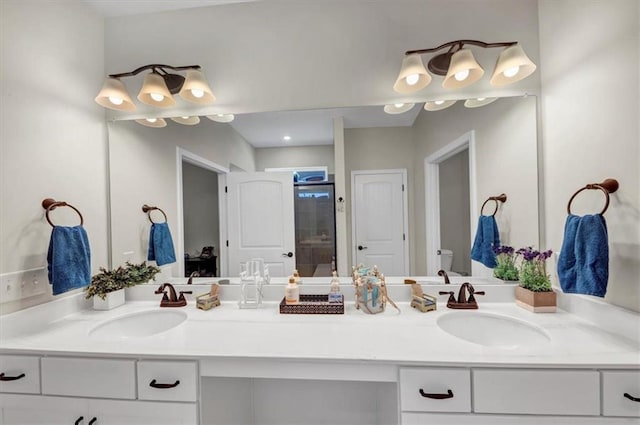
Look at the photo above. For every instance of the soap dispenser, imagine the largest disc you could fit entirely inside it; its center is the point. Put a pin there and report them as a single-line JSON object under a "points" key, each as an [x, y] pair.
{"points": [[292, 292], [334, 293]]}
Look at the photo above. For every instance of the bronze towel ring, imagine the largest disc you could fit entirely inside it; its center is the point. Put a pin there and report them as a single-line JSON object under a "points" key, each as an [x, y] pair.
{"points": [[147, 209], [50, 204], [501, 198], [608, 186]]}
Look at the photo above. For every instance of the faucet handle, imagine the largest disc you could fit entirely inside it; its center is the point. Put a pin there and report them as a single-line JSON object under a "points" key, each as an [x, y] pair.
{"points": [[478, 293], [452, 298]]}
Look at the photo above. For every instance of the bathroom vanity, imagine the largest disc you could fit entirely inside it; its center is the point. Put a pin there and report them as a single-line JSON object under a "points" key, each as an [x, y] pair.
{"points": [[140, 364]]}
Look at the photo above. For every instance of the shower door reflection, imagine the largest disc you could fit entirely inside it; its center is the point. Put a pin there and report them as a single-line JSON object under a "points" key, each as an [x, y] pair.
{"points": [[315, 228]]}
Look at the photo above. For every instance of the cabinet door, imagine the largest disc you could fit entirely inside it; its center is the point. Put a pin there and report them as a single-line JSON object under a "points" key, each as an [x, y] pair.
{"points": [[116, 412], [39, 410], [454, 419]]}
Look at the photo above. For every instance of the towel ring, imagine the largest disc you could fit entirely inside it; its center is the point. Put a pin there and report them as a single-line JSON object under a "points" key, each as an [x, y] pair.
{"points": [[608, 186], [501, 198], [147, 209], [51, 204]]}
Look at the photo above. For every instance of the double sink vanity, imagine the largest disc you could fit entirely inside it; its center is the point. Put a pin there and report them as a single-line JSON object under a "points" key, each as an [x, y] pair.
{"points": [[64, 363]]}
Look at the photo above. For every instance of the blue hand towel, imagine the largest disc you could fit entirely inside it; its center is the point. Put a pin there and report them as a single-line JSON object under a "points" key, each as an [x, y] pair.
{"points": [[487, 236], [583, 265], [68, 259], [161, 245]]}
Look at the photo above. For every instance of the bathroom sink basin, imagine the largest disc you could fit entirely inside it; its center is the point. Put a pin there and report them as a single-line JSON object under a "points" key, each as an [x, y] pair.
{"points": [[141, 324], [492, 330]]}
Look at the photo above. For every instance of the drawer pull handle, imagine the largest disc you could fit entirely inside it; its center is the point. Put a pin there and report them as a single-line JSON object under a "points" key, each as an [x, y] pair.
{"points": [[632, 398], [93, 420], [163, 386], [80, 419], [449, 394], [11, 378]]}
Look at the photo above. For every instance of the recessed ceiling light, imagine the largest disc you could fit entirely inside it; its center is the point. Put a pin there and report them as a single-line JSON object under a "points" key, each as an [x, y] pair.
{"points": [[221, 117], [286, 138]]}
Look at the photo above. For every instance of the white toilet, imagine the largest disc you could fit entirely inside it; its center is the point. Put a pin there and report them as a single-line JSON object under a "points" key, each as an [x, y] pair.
{"points": [[446, 260]]}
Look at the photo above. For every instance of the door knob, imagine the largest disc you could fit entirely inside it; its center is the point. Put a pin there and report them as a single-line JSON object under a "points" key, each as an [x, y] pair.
{"points": [[360, 247], [287, 254]]}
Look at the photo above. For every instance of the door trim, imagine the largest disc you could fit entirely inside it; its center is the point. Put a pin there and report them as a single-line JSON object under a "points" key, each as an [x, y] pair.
{"points": [[405, 213], [432, 195], [190, 157]]}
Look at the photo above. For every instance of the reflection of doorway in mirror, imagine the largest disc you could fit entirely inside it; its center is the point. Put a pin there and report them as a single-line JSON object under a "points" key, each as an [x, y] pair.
{"points": [[455, 225]]}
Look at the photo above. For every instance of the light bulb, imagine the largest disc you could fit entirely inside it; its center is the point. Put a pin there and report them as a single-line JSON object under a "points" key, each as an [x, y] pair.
{"points": [[115, 100], [197, 93], [480, 99], [439, 102], [462, 75], [185, 118], [511, 71], [398, 105], [156, 96], [152, 120], [412, 79], [287, 138]]}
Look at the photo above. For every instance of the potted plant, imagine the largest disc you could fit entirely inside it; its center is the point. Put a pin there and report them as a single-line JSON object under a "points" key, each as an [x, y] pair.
{"points": [[534, 292], [505, 268], [107, 287]]}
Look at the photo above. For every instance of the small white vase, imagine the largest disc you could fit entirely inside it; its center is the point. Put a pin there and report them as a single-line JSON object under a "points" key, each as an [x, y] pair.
{"points": [[112, 300]]}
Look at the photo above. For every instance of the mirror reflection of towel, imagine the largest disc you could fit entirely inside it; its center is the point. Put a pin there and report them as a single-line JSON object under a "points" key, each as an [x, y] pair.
{"points": [[583, 265], [161, 245], [487, 236], [68, 259]]}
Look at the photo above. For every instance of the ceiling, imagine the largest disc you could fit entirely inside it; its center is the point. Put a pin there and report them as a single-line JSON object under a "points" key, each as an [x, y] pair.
{"points": [[315, 59]]}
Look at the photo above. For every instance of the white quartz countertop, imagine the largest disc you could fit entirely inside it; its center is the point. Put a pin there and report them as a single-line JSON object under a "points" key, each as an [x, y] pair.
{"points": [[406, 338]]}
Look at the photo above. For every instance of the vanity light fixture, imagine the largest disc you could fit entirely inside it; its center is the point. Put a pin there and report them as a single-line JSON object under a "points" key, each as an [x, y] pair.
{"points": [[193, 120], [152, 122], [478, 102], [221, 117], [398, 108], [437, 105], [158, 88], [459, 68]]}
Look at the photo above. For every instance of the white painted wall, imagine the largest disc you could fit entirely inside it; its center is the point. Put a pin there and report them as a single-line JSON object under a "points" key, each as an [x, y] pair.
{"points": [[143, 171], [506, 151], [52, 134], [200, 215], [295, 156], [590, 115]]}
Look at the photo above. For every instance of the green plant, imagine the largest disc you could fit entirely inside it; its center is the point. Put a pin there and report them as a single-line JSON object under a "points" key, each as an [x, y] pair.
{"points": [[506, 263], [123, 277], [533, 275]]}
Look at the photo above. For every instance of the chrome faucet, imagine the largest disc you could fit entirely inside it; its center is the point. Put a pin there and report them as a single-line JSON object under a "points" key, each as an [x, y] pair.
{"points": [[171, 300], [463, 302]]}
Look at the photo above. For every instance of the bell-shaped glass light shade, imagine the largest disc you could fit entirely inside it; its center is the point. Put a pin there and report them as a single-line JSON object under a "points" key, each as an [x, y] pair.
{"points": [[154, 92], [463, 70], [152, 122], [513, 65], [413, 75], [437, 105], [398, 108], [193, 120], [478, 102], [195, 88], [114, 95], [221, 117]]}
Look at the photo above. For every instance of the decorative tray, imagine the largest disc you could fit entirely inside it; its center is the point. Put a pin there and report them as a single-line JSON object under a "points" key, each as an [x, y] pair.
{"points": [[313, 304]]}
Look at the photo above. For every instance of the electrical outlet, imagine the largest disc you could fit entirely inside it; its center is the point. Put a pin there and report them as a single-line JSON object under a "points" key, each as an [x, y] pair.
{"points": [[18, 285]]}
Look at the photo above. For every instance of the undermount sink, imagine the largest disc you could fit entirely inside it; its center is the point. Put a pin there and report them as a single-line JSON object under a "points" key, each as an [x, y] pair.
{"points": [[141, 324], [492, 330]]}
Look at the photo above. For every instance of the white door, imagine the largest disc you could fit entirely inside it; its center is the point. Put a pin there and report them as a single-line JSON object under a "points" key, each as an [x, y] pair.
{"points": [[261, 221], [379, 220]]}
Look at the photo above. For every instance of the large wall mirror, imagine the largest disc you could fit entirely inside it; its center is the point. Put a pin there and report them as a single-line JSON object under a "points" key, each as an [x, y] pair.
{"points": [[461, 155]]}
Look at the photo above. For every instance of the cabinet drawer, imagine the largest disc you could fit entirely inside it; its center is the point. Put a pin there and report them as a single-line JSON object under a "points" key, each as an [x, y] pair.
{"points": [[21, 374], [159, 380], [89, 377], [552, 392], [615, 384], [420, 387]]}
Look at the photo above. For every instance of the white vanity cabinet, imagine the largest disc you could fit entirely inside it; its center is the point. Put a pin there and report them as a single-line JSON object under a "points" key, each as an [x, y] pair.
{"points": [[92, 391]]}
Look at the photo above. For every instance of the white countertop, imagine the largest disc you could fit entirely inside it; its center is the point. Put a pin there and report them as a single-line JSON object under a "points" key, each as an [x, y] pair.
{"points": [[409, 338]]}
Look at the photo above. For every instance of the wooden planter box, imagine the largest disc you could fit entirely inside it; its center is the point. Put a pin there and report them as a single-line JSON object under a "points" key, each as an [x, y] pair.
{"points": [[536, 302]]}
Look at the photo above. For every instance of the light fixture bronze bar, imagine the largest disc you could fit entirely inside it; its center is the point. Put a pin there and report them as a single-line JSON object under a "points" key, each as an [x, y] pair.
{"points": [[153, 66], [461, 43]]}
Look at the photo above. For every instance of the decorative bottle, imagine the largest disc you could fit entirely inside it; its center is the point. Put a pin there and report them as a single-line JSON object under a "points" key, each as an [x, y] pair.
{"points": [[335, 296], [292, 292]]}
